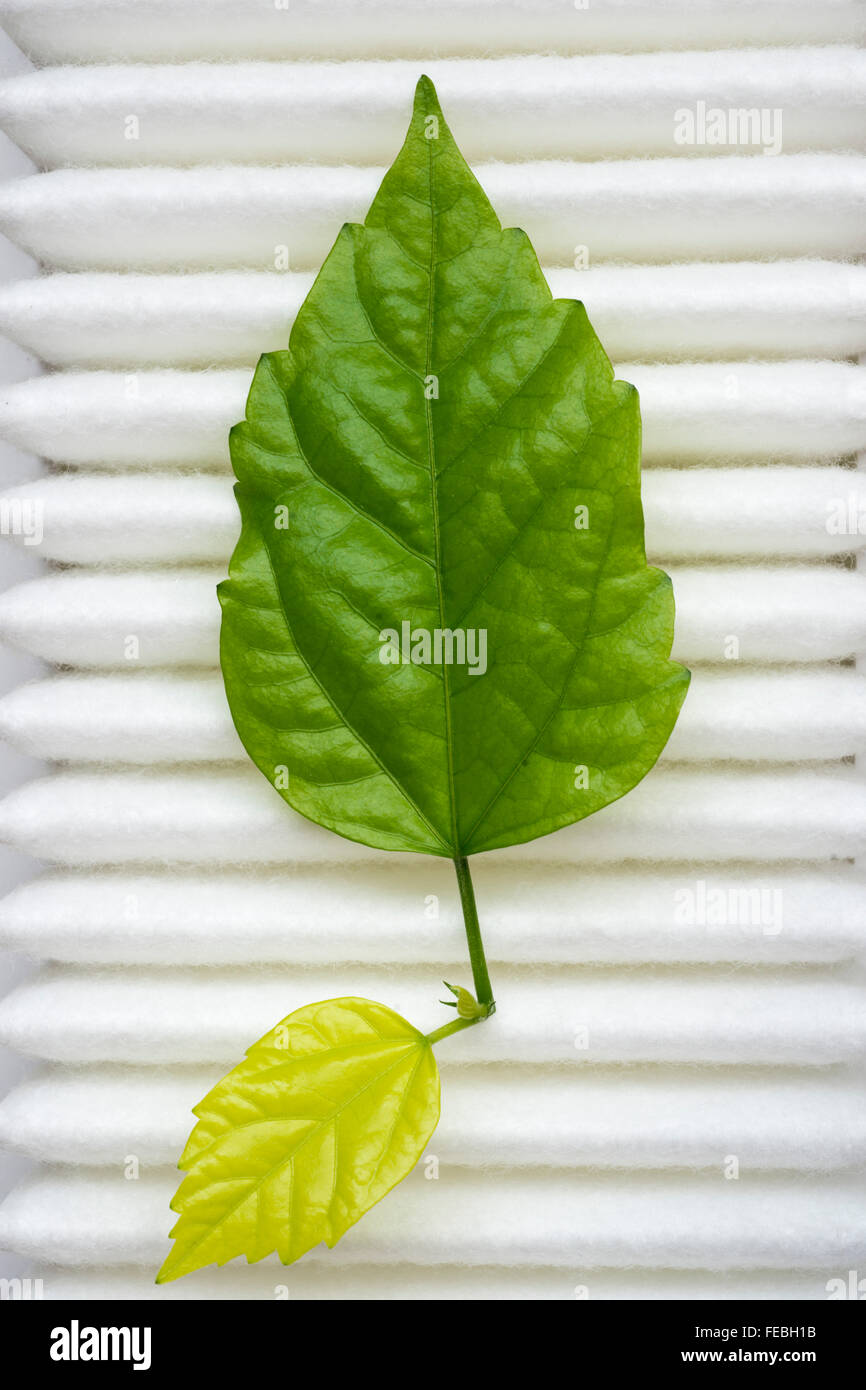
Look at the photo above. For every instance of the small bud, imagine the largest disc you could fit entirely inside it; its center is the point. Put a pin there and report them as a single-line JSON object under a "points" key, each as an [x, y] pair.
{"points": [[467, 1005]]}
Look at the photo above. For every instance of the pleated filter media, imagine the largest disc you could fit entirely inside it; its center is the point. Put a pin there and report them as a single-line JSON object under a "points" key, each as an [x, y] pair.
{"points": [[669, 1102]]}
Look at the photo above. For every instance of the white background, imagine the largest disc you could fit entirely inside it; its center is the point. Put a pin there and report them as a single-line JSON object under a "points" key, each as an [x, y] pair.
{"points": [[16, 564]]}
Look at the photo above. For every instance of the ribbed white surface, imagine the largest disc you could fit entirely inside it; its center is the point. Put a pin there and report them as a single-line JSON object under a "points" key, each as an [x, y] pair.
{"points": [[163, 519], [513, 108], [130, 917], [569, 1121], [774, 614], [680, 978], [96, 30], [544, 1016], [212, 818], [731, 207], [454, 1283], [566, 1221], [734, 716], [799, 411], [761, 309]]}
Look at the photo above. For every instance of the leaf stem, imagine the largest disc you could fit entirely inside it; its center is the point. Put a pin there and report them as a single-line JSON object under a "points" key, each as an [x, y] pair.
{"points": [[455, 1026], [480, 976]]}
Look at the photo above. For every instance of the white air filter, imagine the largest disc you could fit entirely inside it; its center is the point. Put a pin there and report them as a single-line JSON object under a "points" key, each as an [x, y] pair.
{"points": [[773, 309], [568, 1222], [732, 207], [562, 1016], [677, 1120], [679, 913], [668, 1103], [797, 411], [162, 519], [176, 30], [512, 108], [753, 716]]}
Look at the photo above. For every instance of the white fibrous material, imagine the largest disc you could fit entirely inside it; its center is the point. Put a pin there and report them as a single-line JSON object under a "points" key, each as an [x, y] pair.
{"points": [[235, 817], [511, 108], [409, 1283], [135, 619], [808, 309], [123, 520], [564, 1221], [681, 1119], [545, 1016], [679, 978], [100, 30], [741, 410], [729, 207], [752, 715], [408, 913]]}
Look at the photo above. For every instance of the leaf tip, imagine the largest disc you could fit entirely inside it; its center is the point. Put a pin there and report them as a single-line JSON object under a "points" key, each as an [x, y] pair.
{"points": [[426, 100]]}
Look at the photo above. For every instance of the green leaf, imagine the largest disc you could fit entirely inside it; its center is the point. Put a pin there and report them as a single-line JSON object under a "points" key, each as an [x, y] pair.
{"points": [[328, 1111], [444, 445]]}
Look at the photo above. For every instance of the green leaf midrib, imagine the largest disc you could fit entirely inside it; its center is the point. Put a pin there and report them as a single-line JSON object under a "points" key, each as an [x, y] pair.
{"points": [[434, 498]]}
